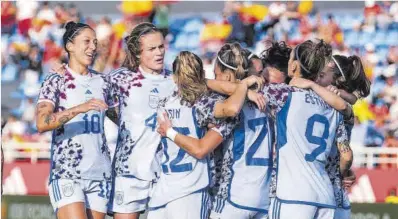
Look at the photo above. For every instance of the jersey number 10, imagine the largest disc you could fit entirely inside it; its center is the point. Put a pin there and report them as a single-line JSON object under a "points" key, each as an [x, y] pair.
{"points": [[93, 126]]}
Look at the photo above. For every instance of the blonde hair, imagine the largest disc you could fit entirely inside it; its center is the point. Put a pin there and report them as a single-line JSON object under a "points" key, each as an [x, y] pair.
{"points": [[190, 75], [232, 56]]}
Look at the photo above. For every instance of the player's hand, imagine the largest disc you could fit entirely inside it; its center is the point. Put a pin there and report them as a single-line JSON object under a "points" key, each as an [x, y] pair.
{"points": [[349, 179], [164, 123], [59, 69], [301, 83], [334, 89], [257, 98], [252, 80], [93, 104]]}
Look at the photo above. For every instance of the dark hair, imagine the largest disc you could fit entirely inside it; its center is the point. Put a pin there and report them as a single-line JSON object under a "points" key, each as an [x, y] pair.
{"points": [[312, 57], [231, 56], [72, 30], [250, 57], [133, 43], [277, 56], [351, 75]]}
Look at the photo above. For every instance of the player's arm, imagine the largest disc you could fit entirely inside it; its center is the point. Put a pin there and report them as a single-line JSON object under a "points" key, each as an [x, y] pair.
{"points": [[346, 155], [47, 120], [328, 96], [351, 98], [232, 106], [198, 148]]}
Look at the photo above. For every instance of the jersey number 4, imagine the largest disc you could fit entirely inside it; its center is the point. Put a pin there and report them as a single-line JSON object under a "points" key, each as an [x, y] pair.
{"points": [[321, 141], [175, 166]]}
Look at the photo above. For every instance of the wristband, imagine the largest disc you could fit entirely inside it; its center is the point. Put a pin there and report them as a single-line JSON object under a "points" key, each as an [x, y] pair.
{"points": [[171, 133]]}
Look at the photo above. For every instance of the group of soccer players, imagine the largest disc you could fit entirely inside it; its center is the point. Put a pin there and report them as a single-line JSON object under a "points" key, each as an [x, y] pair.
{"points": [[245, 145]]}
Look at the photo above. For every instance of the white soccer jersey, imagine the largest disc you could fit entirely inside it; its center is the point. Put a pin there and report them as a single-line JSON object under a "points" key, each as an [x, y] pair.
{"points": [[78, 149], [252, 160], [181, 173], [138, 141], [306, 131]]}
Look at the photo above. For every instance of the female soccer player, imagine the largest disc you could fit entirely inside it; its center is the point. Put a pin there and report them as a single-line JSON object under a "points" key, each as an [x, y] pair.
{"points": [[182, 189], [346, 77], [305, 136], [73, 106], [139, 85]]}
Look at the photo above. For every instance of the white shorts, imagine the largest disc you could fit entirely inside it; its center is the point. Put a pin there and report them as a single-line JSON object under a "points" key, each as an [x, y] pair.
{"points": [[230, 211], [130, 195], [342, 213], [194, 206], [279, 210], [95, 194]]}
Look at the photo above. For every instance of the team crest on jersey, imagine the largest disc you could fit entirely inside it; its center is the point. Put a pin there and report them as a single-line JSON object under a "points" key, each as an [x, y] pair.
{"points": [[153, 101], [67, 189], [119, 198]]}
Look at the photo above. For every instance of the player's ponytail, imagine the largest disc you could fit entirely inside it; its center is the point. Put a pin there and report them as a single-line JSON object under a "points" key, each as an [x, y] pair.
{"points": [[350, 75], [312, 57], [190, 76], [232, 57]]}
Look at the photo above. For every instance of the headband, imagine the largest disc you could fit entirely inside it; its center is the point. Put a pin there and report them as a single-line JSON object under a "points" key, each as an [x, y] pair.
{"points": [[76, 31], [338, 66], [250, 56], [298, 59], [228, 66]]}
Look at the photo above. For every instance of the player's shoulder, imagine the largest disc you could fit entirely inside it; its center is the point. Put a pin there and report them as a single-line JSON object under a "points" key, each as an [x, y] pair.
{"points": [[54, 77], [94, 72], [167, 72], [281, 87], [119, 71]]}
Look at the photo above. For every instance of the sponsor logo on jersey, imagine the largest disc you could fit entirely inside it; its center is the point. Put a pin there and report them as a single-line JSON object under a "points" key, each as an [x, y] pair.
{"points": [[88, 92], [155, 90]]}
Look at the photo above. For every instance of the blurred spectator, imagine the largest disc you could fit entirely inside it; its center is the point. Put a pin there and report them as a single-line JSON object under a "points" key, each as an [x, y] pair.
{"points": [[35, 59], [25, 13], [161, 17], [230, 14], [61, 14], [390, 142], [392, 55], [46, 14], [394, 11], [390, 90], [330, 30], [9, 70], [276, 9], [28, 114], [74, 13], [14, 129], [103, 29], [365, 134], [8, 22], [392, 197], [370, 12]]}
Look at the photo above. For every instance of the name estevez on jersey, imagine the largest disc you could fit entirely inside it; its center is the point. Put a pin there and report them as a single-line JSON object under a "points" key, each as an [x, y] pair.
{"points": [[316, 100]]}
